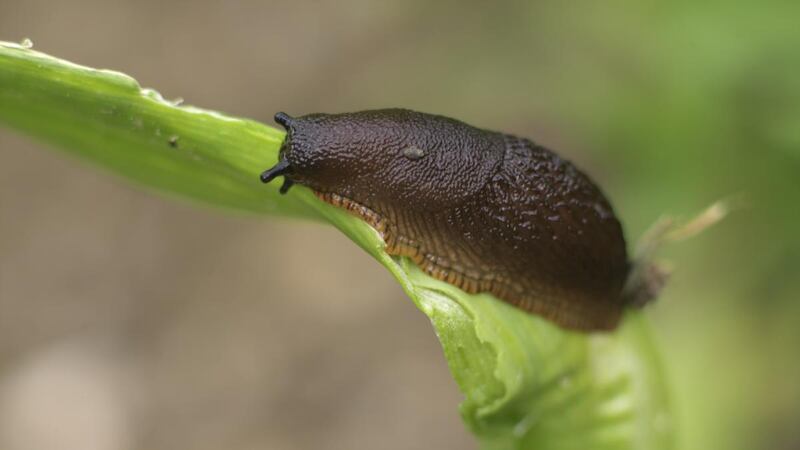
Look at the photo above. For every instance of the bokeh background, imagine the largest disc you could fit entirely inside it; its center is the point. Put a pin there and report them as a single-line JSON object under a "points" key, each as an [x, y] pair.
{"points": [[131, 321]]}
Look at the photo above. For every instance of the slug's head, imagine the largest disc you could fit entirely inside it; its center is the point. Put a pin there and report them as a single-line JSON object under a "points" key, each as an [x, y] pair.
{"points": [[392, 156], [284, 167]]}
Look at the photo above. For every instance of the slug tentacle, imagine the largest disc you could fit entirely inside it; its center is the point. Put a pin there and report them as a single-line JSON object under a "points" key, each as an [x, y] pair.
{"points": [[287, 183], [484, 211], [284, 119], [282, 168]]}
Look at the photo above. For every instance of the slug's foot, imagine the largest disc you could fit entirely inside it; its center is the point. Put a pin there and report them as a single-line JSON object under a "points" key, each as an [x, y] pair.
{"points": [[556, 305]]}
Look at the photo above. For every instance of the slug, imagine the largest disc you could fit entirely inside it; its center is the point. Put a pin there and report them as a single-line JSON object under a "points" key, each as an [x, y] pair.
{"points": [[482, 210]]}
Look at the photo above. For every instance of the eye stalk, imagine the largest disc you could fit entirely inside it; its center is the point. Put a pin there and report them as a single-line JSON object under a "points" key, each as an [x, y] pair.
{"points": [[284, 119], [282, 168]]}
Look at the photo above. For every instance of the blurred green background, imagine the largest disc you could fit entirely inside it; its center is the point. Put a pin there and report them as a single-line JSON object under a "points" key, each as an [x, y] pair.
{"points": [[128, 321]]}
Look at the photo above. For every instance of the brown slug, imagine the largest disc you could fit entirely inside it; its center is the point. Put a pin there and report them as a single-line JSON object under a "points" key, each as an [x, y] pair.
{"points": [[482, 210]]}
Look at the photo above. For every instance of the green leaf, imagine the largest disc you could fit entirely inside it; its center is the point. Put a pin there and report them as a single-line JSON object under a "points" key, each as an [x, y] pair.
{"points": [[527, 383]]}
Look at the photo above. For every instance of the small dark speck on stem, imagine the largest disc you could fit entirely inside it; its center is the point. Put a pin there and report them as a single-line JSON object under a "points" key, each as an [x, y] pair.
{"points": [[173, 141]]}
